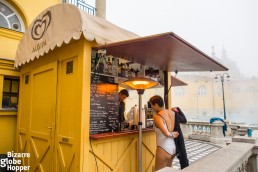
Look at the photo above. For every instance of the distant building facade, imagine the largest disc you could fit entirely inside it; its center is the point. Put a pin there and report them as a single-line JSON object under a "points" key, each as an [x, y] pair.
{"points": [[202, 98]]}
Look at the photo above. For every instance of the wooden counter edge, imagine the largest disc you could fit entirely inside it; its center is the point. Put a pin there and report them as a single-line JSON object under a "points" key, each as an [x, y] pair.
{"points": [[118, 134]]}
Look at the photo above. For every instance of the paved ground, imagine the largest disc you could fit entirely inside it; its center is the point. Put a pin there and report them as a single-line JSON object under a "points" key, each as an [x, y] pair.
{"points": [[196, 150]]}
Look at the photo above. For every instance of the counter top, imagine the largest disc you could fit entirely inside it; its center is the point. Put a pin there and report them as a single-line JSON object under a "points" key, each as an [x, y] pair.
{"points": [[118, 134]]}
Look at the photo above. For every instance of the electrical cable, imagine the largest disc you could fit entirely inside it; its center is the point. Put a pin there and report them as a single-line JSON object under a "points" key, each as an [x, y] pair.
{"points": [[171, 84], [94, 156]]}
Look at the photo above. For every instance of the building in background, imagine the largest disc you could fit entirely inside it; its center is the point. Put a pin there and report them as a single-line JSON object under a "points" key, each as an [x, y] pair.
{"points": [[202, 98]]}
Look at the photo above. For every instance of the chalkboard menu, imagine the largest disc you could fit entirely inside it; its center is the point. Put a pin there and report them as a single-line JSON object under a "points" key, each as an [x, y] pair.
{"points": [[104, 104]]}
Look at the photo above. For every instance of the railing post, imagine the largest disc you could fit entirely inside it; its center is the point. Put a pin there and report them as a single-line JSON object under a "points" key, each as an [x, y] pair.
{"points": [[252, 163]]}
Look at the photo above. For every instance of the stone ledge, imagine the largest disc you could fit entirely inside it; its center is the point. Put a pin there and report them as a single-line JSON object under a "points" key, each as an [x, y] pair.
{"points": [[228, 158], [246, 139]]}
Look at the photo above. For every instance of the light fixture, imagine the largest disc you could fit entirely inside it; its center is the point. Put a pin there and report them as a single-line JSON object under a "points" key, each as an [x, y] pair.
{"points": [[140, 84]]}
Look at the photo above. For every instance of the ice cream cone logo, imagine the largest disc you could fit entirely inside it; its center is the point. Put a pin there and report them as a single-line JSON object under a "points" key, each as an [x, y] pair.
{"points": [[40, 26]]}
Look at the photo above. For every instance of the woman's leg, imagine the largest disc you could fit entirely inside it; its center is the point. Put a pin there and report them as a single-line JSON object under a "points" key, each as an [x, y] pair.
{"points": [[171, 160], [162, 158]]}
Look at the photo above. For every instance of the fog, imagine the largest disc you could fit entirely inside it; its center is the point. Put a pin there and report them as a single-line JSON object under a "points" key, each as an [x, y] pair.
{"points": [[226, 25], [230, 24]]}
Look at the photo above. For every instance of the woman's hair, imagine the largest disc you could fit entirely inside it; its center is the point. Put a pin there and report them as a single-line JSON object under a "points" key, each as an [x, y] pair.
{"points": [[157, 100], [124, 92]]}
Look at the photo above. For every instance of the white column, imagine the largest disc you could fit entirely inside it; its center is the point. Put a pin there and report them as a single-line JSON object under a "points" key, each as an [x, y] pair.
{"points": [[100, 8]]}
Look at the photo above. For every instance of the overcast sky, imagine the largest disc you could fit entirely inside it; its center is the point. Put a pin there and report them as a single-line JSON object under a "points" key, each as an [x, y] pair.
{"points": [[232, 24]]}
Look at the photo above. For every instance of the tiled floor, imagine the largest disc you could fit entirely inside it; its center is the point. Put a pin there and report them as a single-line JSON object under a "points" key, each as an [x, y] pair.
{"points": [[196, 150]]}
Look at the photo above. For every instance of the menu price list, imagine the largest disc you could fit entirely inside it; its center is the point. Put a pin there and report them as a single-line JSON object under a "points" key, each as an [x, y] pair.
{"points": [[104, 105]]}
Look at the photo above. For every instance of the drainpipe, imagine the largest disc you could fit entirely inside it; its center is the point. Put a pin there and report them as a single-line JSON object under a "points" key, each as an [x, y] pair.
{"points": [[100, 8]]}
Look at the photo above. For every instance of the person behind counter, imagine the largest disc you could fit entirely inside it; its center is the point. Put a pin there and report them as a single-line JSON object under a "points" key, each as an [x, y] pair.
{"points": [[164, 122], [122, 95]]}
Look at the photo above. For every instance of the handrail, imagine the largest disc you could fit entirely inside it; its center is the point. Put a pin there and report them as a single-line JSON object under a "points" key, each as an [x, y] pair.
{"points": [[82, 5], [204, 131]]}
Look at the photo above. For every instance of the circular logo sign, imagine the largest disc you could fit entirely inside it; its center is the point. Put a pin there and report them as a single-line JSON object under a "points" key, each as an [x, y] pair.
{"points": [[40, 26]]}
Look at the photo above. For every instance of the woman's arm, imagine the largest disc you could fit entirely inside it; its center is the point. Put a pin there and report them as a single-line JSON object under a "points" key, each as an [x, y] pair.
{"points": [[159, 123]]}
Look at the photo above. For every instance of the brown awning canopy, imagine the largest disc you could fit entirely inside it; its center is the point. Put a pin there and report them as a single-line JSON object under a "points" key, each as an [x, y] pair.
{"points": [[177, 82], [166, 51]]}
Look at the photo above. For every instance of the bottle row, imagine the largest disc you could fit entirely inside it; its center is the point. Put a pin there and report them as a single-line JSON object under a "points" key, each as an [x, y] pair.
{"points": [[111, 66]]}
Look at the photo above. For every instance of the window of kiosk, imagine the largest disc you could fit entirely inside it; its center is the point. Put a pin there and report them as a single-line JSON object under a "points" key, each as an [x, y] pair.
{"points": [[10, 93], [107, 75]]}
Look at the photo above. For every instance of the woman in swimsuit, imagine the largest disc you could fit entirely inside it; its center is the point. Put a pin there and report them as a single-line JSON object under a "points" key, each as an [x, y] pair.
{"points": [[164, 122]]}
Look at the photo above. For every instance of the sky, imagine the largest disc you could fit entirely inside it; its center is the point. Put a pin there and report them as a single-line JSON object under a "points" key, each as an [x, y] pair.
{"points": [[228, 24]]}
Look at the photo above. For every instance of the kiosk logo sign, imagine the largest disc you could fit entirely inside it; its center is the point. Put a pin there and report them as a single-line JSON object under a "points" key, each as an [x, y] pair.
{"points": [[38, 30], [13, 162], [40, 26]]}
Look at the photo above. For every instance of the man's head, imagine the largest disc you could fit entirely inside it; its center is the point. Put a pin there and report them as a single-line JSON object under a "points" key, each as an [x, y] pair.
{"points": [[123, 94]]}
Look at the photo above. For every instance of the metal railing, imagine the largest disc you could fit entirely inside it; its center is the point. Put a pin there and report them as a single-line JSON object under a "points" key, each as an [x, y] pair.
{"points": [[82, 5]]}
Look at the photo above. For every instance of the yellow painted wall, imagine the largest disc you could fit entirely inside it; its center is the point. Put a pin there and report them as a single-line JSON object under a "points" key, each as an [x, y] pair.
{"points": [[193, 104], [29, 10], [9, 41], [69, 146], [70, 141], [7, 117], [121, 154], [240, 97], [66, 145], [8, 132]]}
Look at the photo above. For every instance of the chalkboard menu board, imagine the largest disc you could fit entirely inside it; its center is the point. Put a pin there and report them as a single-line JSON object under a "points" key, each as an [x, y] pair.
{"points": [[104, 104]]}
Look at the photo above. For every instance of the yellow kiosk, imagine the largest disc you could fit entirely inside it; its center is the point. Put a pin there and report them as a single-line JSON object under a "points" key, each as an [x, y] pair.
{"points": [[54, 57]]}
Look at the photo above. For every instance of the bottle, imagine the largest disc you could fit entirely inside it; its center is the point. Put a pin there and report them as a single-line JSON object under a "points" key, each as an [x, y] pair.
{"points": [[135, 115], [119, 67], [249, 132], [137, 72], [123, 70], [129, 73], [92, 63], [143, 118], [109, 64], [132, 72], [113, 67], [126, 70], [101, 66], [105, 66]]}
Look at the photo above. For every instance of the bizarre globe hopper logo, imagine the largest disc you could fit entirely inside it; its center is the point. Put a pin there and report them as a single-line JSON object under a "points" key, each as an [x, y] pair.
{"points": [[40, 26]]}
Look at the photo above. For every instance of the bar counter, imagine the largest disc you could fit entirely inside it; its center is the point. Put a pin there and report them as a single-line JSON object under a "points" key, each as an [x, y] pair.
{"points": [[118, 151], [118, 134]]}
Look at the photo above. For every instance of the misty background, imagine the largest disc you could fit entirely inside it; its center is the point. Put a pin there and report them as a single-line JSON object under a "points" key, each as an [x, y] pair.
{"points": [[230, 24], [225, 30]]}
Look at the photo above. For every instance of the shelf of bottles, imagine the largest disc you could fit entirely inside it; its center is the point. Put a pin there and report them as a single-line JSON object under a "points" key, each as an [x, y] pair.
{"points": [[149, 117], [123, 69]]}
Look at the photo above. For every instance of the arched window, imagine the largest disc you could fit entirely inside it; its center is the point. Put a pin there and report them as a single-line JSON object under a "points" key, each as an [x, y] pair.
{"points": [[202, 91], [10, 18]]}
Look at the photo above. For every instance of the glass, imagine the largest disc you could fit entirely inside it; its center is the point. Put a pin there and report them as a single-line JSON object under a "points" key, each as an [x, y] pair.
{"points": [[7, 85], [15, 87]]}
